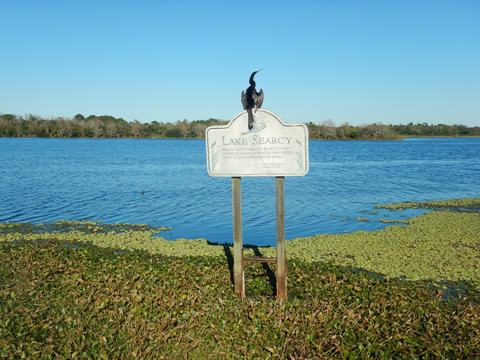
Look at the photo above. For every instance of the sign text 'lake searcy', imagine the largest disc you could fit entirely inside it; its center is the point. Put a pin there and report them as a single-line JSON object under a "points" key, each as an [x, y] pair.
{"points": [[270, 148]]}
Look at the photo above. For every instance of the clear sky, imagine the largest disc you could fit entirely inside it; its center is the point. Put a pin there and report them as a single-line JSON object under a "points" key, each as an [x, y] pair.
{"points": [[355, 61]]}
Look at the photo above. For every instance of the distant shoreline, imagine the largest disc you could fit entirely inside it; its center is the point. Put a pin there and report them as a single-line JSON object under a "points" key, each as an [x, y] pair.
{"points": [[198, 138], [110, 127]]}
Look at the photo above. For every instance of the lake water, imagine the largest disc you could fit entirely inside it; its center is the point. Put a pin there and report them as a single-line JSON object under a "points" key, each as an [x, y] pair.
{"points": [[165, 183]]}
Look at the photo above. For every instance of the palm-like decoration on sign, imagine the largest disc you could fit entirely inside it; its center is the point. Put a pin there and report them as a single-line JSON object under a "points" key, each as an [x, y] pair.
{"points": [[252, 100], [215, 155], [299, 156]]}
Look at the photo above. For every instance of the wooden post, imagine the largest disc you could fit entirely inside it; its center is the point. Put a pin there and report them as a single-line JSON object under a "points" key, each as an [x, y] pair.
{"points": [[281, 256], [238, 274]]}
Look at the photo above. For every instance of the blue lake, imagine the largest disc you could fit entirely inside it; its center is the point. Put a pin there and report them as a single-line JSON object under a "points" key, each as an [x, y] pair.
{"points": [[165, 183]]}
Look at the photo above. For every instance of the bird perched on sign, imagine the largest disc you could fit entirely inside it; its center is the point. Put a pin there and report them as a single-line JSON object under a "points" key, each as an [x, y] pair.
{"points": [[252, 100]]}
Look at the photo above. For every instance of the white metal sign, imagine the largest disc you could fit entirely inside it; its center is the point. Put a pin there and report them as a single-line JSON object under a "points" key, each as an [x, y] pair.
{"points": [[270, 148]]}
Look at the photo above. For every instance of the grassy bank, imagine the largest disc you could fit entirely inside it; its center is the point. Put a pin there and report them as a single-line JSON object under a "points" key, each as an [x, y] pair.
{"points": [[91, 302], [87, 290]]}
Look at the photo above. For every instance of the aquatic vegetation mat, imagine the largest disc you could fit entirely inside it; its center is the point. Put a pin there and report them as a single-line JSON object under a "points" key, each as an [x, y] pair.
{"points": [[86, 227], [466, 204], [440, 245], [83, 301]]}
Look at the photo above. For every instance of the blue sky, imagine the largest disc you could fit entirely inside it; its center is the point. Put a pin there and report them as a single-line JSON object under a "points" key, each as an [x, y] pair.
{"points": [[349, 61]]}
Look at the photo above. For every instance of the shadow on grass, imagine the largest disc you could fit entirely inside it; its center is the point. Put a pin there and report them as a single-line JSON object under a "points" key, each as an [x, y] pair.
{"points": [[229, 257], [268, 272]]}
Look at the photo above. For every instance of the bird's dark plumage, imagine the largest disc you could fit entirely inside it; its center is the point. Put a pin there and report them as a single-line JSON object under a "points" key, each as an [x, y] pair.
{"points": [[252, 99]]}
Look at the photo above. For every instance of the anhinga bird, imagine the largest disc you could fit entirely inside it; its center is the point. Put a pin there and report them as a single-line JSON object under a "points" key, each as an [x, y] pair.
{"points": [[252, 100]]}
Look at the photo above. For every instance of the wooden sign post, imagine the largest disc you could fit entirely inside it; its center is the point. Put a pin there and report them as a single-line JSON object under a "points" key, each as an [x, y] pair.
{"points": [[281, 256], [239, 260], [238, 273], [270, 148]]}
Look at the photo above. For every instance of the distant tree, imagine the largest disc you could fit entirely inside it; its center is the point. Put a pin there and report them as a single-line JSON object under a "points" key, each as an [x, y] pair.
{"points": [[136, 128], [79, 117], [174, 132], [327, 130]]}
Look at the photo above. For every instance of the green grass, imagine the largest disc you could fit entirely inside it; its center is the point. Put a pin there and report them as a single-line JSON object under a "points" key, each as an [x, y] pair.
{"points": [[85, 301], [88, 290]]}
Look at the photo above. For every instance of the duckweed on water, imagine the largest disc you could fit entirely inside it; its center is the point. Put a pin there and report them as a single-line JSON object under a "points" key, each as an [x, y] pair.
{"points": [[468, 204], [87, 227], [441, 245], [389, 221]]}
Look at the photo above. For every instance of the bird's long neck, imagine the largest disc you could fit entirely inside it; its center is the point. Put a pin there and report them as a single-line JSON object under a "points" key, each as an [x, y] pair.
{"points": [[251, 81]]}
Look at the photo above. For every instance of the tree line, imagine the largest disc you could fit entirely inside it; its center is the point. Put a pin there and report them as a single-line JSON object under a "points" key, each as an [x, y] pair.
{"points": [[103, 126], [106, 126]]}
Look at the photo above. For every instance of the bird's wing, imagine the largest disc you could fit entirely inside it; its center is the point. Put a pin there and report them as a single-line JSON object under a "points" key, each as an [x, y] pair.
{"points": [[244, 100], [258, 98]]}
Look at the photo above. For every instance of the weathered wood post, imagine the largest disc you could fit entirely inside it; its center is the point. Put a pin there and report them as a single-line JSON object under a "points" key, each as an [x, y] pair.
{"points": [[281, 256], [238, 274]]}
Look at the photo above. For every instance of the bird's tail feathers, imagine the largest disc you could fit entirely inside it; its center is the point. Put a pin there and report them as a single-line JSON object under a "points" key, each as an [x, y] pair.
{"points": [[250, 119]]}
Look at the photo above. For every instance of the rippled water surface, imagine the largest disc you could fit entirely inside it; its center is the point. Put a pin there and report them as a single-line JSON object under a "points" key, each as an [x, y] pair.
{"points": [[165, 183]]}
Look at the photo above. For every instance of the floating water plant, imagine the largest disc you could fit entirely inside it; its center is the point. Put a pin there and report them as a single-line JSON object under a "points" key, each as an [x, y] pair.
{"points": [[441, 245]]}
